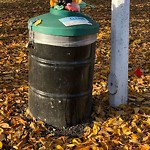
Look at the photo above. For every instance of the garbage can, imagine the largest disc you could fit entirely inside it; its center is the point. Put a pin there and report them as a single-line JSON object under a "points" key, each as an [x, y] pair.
{"points": [[61, 66]]}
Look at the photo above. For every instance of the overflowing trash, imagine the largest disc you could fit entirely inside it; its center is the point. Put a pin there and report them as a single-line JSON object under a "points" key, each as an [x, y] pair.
{"points": [[70, 5]]}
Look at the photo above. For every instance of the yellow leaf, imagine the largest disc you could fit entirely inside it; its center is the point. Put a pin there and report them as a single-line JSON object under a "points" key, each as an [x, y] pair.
{"points": [[24, 136], [4, 125], [145, 138], [117, 123], [32, 125], [108, 129], [40, 122], [89, 136], [116, 141], [87, 131], [125, 147], [139, 130], [117, 131], [42, 148], [96, 128], [15, 147], [1, 145], [147, 121], [19, 60], [133, 124], [52, 3], [77, 1], [135, 117], [107, 123], [120, 119], [59, 147], [144, 147], [76, 141], [70, 145], [134, 138], [126, 130], [39, 21], [134, 141]]}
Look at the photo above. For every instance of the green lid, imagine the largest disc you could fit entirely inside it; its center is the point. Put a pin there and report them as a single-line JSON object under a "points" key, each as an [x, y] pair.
{"points": [[63, 23]]}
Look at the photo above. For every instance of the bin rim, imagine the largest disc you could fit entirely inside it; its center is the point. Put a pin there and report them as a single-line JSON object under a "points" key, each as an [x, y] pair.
{"points": [[50, 24]]}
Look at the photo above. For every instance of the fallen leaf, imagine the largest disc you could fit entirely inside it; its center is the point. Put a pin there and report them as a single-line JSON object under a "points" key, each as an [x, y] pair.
{"points": [[138, 72], [145, 138], [93, 147], [70, 145], [85, 148], [104, 145], [15, 147], [116, 141], [1, 130], [2, 137], [59, 147], [134, 138], [144, 147], [109, 129], [32, 125], [39, 21], [113, 127], [136, 109], [1, 145], [126, 131], [96, 128], [76, 141], [42, 148], [4, 125]]}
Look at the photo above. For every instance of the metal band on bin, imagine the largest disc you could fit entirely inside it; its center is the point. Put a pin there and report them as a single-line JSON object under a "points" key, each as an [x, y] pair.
{"points": [[64, 41]]}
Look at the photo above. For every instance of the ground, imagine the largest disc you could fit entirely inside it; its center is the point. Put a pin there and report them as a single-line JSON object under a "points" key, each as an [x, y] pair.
{"points": [[125, 127]]}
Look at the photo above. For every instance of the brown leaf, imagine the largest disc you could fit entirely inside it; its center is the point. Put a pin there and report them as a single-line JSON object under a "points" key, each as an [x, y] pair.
{"points": [[2, 137], [105, 146], [4, 125], [136, 109]]}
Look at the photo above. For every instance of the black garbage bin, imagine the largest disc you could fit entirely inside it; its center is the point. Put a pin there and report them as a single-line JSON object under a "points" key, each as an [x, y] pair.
{"points": [[61, 65]]}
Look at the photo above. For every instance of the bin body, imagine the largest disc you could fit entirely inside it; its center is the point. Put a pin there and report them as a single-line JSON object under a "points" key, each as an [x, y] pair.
{"points": [[60, 78]]}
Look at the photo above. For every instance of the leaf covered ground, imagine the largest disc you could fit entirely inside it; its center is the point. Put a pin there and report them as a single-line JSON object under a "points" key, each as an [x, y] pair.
{"points": [[124, 128]]}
